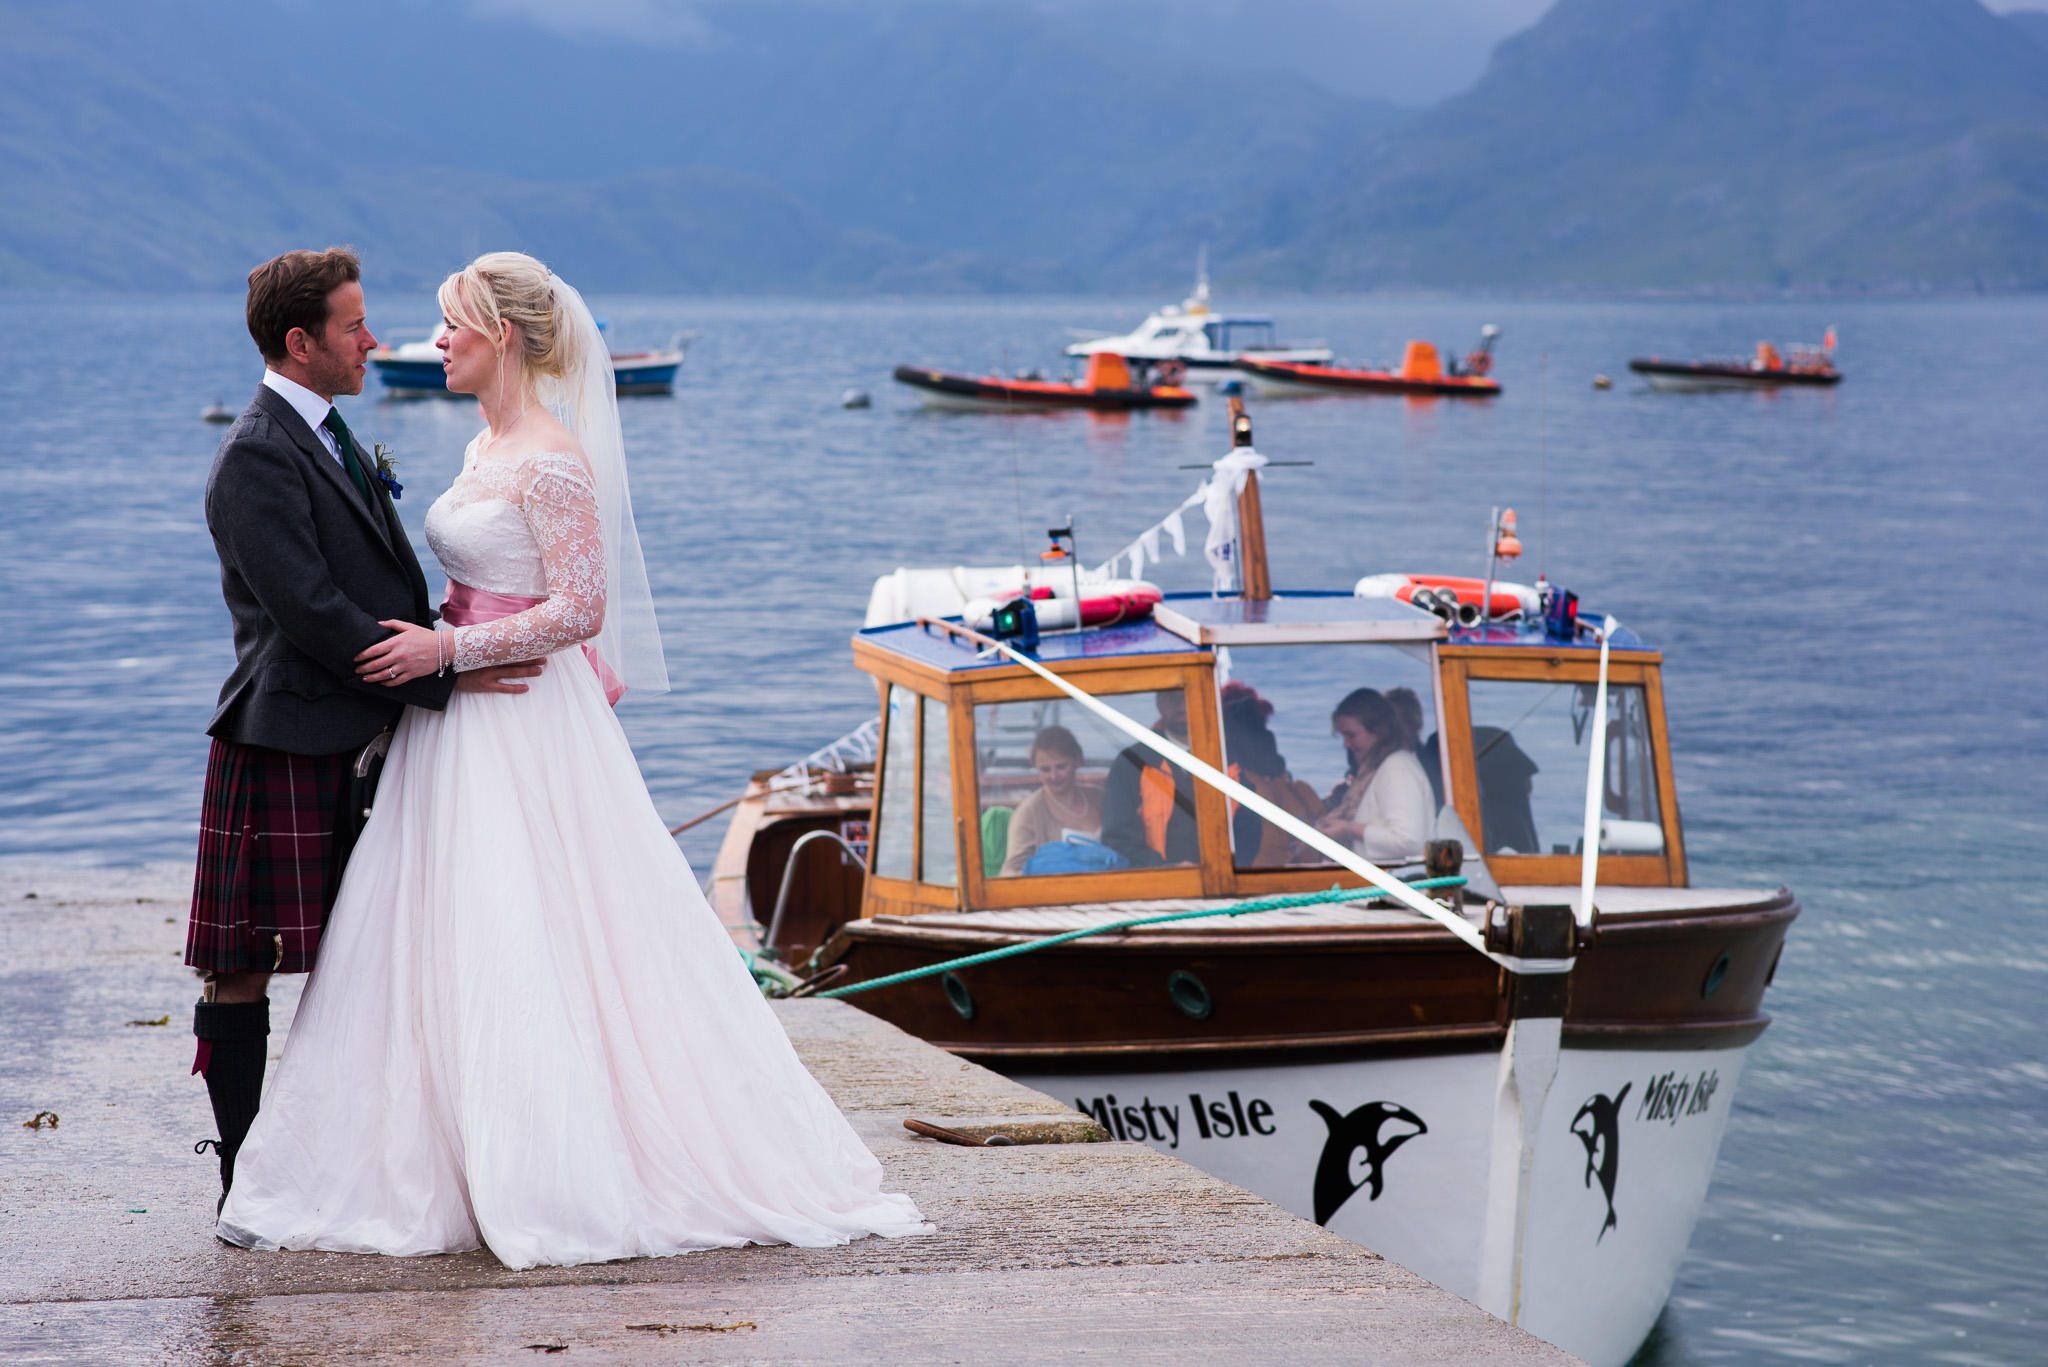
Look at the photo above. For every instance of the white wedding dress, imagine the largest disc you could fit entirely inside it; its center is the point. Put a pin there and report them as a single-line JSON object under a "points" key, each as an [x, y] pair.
{"points": [[527, 1029]]}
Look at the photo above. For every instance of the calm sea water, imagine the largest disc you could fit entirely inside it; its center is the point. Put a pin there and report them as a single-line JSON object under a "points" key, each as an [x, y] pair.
{"points": [[1848, 587]]}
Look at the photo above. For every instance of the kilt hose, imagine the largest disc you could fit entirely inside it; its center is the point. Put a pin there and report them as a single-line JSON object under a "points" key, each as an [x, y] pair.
{"points": [[275, 831]]}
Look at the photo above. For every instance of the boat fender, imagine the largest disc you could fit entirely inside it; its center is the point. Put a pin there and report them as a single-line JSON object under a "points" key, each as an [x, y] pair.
{"points": [[1105, 604], [1508, 599], [1445, 605]]}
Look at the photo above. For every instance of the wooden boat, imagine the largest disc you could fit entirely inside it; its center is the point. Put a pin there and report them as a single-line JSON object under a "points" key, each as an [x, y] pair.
{"points": [[1769, 369], [1515, 1091], [1422, 371], [1109, 384], [412, 370]]}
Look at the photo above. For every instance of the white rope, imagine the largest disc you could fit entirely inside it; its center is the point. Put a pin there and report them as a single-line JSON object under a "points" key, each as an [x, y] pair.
{"points": [[1596, 785], [1284, 819]]}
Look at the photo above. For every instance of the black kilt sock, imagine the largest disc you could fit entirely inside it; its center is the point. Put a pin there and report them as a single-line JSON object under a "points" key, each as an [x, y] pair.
{"points": [[239, 1036]]}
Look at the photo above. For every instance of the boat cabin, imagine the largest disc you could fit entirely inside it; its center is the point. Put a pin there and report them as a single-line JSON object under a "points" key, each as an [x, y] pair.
{"points": [[994, 790]]}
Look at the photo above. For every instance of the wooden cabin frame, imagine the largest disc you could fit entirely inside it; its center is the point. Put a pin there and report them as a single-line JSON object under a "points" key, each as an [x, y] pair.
{"points": [[1194, 672], [1457, 664]]}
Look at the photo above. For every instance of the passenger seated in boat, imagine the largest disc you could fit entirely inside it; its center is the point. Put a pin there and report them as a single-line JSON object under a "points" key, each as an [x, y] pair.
{"points": [[1061, 807], [1148, 805], [1384, 807], [1507, 777], [1256, 762]]}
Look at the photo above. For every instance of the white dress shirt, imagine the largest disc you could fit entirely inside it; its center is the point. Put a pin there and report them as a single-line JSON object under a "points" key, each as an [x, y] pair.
{"points": [[309, 406]]}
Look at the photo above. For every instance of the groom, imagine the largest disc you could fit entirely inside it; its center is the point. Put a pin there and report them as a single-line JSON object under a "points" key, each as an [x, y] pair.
{"points": [[312, 557]]}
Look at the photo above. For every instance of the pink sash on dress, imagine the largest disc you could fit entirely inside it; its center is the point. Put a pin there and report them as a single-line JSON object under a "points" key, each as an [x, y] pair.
{"points": [[466, 607]]}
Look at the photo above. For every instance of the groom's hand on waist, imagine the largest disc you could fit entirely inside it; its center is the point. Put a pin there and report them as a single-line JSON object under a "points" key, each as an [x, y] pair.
{"points": [[497, 678]]}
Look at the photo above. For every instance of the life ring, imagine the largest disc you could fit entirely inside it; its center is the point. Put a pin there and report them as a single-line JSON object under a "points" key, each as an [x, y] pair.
{"points": [[1170, 373], [1450, 595]]}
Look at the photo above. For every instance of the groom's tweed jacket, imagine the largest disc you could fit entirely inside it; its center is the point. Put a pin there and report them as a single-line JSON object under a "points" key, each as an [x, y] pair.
{"points": [[308, 570]]}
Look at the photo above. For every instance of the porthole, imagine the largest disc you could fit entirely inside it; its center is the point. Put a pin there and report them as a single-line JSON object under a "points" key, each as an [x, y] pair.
{"points": [[1714, 976], [1189, 995], [957, 993]]}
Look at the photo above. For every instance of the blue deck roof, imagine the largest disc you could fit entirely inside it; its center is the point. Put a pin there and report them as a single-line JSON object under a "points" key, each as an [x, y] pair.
{"points": [[1531, 634], [950, 653], [1135, 640]]}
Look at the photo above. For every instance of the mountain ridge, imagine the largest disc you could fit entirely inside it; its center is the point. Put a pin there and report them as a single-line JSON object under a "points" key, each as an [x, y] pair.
{"points": [[924, 147], [1647, 143]]}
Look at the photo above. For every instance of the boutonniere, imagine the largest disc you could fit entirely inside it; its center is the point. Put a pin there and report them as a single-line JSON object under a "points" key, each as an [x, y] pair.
{"points": [[387, 469]]}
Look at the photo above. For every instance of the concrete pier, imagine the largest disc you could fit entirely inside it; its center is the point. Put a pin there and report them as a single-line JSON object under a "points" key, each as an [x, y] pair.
{"points": [[1068, 1251]]}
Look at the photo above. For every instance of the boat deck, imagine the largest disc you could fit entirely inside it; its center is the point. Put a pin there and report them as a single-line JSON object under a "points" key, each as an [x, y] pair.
{"points": [[1024, 923], [1030, 922]]}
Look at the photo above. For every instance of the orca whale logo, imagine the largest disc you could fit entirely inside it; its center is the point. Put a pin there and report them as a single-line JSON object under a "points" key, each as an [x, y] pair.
{"points": [[1602, 1138], [1365, 1133]]}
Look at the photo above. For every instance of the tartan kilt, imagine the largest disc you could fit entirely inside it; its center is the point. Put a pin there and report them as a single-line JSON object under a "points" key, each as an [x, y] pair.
{"points": [[274, 832]]}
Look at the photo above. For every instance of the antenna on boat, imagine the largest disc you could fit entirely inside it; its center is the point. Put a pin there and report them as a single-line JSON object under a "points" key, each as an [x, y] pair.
{"points": [[1255, 581], [1065, 547], [1543, 477], [1016, 469]]}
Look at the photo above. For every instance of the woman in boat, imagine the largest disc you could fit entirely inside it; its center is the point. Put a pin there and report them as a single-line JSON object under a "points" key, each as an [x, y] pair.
{"points": [[1148, 805], [1256, 762], [1384, 807], [1062, 806]]}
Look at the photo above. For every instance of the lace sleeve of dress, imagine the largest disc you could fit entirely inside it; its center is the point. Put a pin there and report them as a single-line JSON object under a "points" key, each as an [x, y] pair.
{"points": [[560, 507]]}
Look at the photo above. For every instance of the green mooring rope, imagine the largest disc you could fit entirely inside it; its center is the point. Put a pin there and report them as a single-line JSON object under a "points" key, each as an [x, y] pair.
{"points": [[1304, 899]]}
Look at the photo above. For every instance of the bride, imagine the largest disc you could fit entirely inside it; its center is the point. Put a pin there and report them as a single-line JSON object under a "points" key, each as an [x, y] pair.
{"points": [[528, 1030]]}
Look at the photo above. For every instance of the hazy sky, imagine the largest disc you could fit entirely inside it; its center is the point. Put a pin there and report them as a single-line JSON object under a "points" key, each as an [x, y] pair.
{"points": [[1414, 52]]}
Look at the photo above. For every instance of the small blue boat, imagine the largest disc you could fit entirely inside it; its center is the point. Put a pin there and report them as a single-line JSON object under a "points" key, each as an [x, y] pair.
{"points": [[412, 370]]}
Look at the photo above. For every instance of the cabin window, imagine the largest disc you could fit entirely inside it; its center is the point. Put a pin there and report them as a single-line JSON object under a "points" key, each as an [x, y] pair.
{"points": [[1343, 737], [1063, 791], [939, 853], [1531, 744], [898, 795]]}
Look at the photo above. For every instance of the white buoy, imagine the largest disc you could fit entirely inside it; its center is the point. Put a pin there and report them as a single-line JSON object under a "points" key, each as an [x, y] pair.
{"points": [[216, 412], [855, 398]]}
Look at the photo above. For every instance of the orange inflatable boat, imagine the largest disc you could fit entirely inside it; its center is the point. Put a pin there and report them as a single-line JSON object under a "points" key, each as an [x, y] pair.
{"points": [[1422, 372], [1110, 383]]}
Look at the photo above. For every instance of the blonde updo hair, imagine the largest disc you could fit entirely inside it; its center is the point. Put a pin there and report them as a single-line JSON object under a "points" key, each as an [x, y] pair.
{"points": [[514, 288]]}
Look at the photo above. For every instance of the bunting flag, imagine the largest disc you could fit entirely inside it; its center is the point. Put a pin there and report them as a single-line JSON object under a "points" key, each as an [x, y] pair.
{"points": [[1217, 496], [1146, 547]]}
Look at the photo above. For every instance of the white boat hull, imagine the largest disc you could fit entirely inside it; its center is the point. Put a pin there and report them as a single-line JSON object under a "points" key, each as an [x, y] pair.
{"points": [[1622, 1147], [1208, 367], [1273, 387]]}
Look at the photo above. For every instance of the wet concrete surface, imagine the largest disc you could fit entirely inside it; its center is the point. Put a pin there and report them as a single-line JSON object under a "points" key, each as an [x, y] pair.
{"points": [[1069, 1251]]}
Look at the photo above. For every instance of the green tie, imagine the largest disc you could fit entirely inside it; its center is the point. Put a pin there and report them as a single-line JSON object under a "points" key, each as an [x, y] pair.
{"points": [[333, 423]]}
